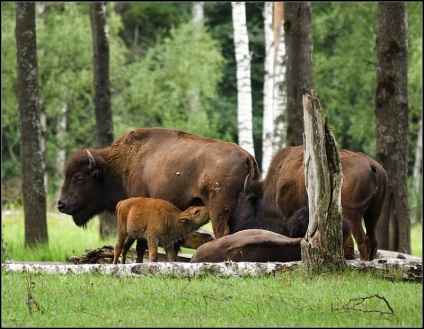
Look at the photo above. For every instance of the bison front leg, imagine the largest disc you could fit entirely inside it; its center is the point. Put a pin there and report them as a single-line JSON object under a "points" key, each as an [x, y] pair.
{"points": [[220, 213], [153, 249], [170, 253]]}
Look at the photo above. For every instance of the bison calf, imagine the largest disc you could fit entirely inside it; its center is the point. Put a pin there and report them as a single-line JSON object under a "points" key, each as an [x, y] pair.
{"points": [[154, 222], [298, 225], [252, 245]]}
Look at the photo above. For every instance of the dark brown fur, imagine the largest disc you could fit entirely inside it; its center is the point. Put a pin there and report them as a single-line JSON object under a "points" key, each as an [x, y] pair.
{"points": [[154, 222], [253, 245], [283, 192], [184, 169]]}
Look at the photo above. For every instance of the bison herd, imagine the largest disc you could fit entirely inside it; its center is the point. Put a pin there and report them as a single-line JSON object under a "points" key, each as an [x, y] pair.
{"points": [[163, 184]]}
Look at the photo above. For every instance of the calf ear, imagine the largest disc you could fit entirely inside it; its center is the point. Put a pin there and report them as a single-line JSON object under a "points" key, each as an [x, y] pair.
{"points": [[184, 220]]}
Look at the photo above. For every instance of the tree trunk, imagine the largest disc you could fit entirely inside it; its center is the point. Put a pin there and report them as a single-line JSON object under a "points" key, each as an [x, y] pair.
{"points": [[244, 93], [280, 85], [103, 110], [391, 106], [299, 74], [417, 182], [268, 114], [198, 20], [275, 97], [322, 247], [32, 155]]}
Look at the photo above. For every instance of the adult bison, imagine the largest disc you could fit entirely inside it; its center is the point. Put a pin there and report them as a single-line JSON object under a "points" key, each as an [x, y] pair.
{"points": [[184, 169], [283, 192]]}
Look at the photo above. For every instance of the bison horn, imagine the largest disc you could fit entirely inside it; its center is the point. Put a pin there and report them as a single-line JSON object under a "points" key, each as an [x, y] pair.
{"points": [[246, 186], [91, 159]]}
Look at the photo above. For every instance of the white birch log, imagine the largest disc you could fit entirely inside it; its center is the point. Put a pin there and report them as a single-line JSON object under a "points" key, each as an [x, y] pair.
{"points": [[404, 269]]}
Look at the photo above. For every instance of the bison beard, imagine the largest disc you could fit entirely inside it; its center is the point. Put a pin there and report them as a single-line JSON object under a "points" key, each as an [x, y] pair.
{"points": [[184, 169]]}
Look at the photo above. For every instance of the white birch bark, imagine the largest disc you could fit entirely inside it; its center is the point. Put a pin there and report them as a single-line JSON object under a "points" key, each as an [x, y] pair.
{"points": [[268, 114], [197, 10], [244, 94], [418, 157], [400, 268], [275, 95], [280, 89], [198, 13]]}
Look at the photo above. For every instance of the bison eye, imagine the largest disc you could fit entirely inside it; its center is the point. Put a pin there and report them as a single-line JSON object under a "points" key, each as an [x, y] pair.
{"points": [[78, 178]]}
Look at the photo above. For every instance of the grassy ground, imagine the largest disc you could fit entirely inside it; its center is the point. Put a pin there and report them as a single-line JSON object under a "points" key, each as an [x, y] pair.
{"points": [[293, 299]]}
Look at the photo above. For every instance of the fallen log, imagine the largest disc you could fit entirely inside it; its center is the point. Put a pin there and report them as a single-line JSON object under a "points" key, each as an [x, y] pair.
{"points": [[398, 269]]}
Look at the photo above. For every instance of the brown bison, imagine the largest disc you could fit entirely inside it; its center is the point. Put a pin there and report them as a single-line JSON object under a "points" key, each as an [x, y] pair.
{"points": [[252, 245], [154, 222], [298, 225], [182, 168], [283, 192]]}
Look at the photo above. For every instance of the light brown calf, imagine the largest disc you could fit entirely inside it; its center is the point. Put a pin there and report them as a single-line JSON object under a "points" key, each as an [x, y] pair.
{"points": [[154, 222]]}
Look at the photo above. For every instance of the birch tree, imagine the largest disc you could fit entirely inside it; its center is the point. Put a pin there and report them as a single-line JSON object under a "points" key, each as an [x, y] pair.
{"points": [[244, 93], [103, 110], [198, 9], [273, 129], [391, 107], [32, 144]]}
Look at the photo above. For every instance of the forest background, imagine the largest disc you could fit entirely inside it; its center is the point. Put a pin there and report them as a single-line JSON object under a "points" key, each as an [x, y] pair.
{"points": [[159, 61]]}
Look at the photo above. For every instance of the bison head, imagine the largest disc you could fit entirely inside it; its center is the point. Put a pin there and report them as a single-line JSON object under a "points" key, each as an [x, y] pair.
{"points": [[255, 211], [82, 191]]}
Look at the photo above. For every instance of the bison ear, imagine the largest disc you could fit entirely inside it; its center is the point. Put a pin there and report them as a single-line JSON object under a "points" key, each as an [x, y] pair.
{"points": [[96, 173], [184, 220]]}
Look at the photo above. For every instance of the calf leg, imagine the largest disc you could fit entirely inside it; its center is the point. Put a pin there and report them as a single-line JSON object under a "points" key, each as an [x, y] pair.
{"points": [[141, 248], [118, 248], [127, 245], [153, 249]]}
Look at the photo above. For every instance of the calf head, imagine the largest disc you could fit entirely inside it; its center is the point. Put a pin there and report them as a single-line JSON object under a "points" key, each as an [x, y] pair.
{"points": [[194, 217]]}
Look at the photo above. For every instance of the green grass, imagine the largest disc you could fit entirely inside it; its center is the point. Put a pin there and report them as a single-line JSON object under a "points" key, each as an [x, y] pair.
{"points": [[66, 239], [350, 299]]}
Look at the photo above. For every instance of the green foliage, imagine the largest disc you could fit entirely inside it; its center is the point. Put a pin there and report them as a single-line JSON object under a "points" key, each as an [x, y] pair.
{"points": [[344, 72], [161, 84], [348, 299]]}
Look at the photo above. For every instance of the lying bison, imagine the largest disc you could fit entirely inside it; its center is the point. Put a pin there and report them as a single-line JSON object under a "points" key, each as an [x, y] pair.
{"points": [[283, 192], [182, 168], [154, 222], [253, 245]]}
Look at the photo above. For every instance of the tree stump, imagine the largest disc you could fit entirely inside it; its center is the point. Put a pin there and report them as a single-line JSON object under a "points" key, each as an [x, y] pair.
{"points": [[322, 247]]}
